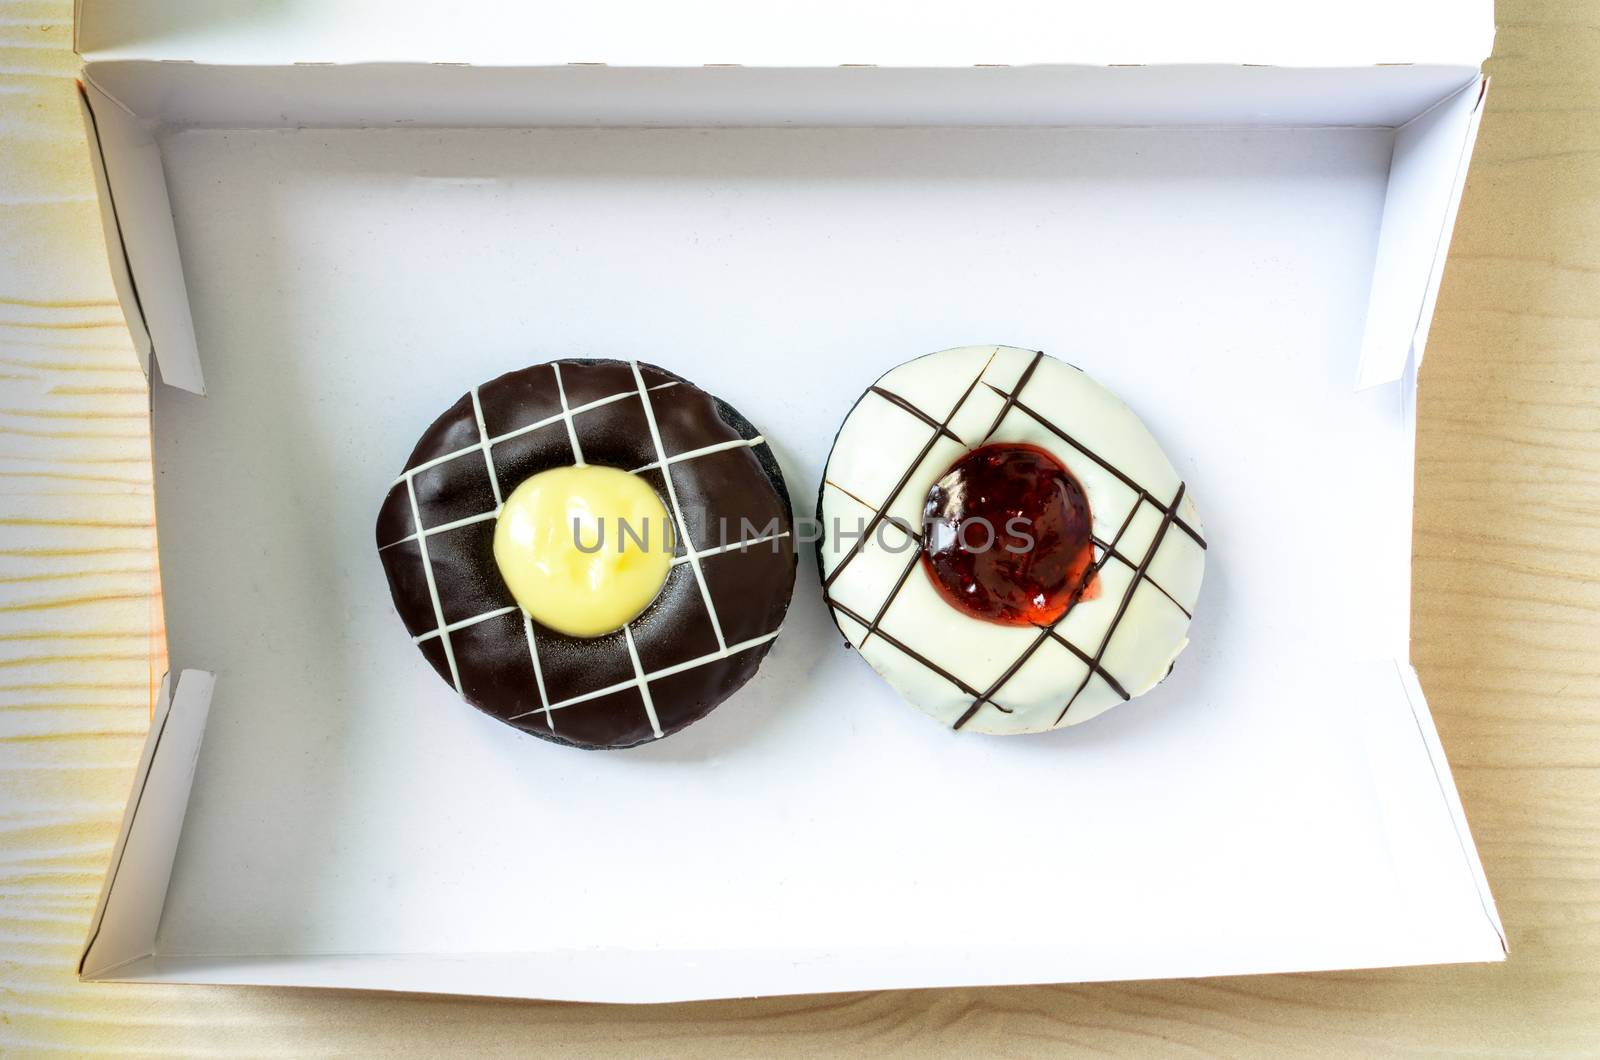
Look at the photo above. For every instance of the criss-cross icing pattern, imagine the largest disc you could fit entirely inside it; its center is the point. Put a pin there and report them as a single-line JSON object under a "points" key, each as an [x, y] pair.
{"points": [[645, 655], [979, 676]]}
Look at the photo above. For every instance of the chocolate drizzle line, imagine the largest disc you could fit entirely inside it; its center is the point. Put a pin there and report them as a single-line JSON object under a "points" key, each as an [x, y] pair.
{"points": [[847, 493], [1117, 472], [1011, 398], [1094, 664], [1132, 565], [1127, 597], [907, 649], [901, 403], [894, 593], [1046, 632]]}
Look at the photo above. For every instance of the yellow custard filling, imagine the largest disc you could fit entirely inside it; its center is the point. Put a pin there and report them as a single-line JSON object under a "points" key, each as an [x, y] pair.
{"points": [[583, 549]]}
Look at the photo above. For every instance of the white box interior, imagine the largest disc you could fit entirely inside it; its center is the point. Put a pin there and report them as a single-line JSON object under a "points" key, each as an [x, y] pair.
{"points": [[1279, 804]]}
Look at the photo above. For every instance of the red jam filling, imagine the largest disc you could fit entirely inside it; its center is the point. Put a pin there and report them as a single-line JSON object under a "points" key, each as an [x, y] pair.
{"points": [[1006, 536]]}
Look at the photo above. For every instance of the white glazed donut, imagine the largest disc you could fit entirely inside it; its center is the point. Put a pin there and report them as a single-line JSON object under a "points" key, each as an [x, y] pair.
{"points": [[1143, 547]]}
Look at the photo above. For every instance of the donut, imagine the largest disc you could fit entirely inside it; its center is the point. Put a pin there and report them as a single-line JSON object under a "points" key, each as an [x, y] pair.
{"points": [[1005, 543], [590, 639]]}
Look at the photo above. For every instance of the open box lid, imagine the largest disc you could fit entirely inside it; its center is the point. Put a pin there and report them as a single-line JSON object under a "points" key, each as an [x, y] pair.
{"points": [[927, 33]]}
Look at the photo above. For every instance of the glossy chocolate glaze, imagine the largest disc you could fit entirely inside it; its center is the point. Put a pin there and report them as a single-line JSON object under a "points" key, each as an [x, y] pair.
{"points": [[586, 691]]}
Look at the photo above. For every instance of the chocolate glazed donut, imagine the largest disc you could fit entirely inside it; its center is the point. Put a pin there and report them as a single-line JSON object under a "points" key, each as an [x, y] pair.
{"points": [[705, 633]]}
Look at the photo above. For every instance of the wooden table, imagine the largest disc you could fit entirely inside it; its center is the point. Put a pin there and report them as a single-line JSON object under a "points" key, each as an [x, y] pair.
{"points": [[1507, 638]]}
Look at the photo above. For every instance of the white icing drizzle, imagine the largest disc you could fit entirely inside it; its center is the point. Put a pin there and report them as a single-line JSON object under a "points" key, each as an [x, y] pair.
{"points": [[720, 447], [732, 546], [433, 589], [666, 671], [442, 527], [566, 416], [641, 680], [677, 510], [499, 503], [463, 624], [538, 670]]}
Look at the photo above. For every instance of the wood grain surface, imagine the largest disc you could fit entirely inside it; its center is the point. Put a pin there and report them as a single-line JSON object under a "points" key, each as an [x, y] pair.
{"points": [[1507, 638]]}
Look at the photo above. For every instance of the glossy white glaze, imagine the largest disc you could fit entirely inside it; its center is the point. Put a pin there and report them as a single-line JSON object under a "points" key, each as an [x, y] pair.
{"points": [[981, 676]]}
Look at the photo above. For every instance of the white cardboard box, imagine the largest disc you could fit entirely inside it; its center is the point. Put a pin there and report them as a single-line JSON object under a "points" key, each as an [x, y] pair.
{"points": [[326, 224]]}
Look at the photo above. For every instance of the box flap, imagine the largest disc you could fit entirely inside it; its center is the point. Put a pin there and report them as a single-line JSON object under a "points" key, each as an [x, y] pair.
{"points": [[123, 928], [116, 252], [1452, 207], [790, 33], [1449, 796], [144, 246], [1426, 179]]}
